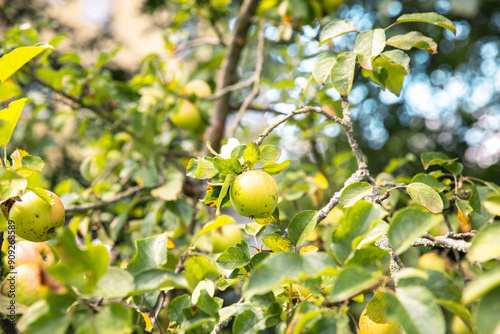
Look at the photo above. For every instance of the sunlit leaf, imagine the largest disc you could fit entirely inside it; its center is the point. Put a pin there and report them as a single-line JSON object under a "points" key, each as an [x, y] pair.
{"points": [[323, 66], [14, 60], [336, 28], [343, 72], [413, 39], [369, 44], [425, 196], [432, 18], [9, 118]]}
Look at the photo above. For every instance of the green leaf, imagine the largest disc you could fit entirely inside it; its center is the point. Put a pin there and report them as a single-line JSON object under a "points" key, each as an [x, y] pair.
{"points": [[199, 268], [488, 309], [269, 153], [116, 283], [9, 118], [425, 196], [492, 204], [440, 284], [247, 322], [213, 194], [227, 166], [459, 310], [251, 154], [323, 66], [432, 18], [484, 245], [354, 192], [14, 60], [413, 39], [237, 152], [153, 279], [429, 180], [480, 286], [202, 169], [352, 281], [43, 194], [79, 268], [454, 167], [10, 184], [209, 304], [389, 70], [407, 225], [301, 225], [206, 285], [464, 206], [216, 223], [176, 306], [283, 267], [358, 221], [416, 310], [235, 257], [151, 253], [273, 168], [343, 72], [32, 162], [224, 191], [172, 188], [369, 44], [435, 158], [211, 150], [276, 242], [335, 28], [114, 318]]}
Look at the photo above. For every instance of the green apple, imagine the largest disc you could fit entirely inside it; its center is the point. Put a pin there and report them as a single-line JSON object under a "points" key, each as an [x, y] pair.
{"points": [[374, 322], [186, 116], [226, 236], [36, 220], [30, 252], [432, 261], [254, 194], [298, 291]]}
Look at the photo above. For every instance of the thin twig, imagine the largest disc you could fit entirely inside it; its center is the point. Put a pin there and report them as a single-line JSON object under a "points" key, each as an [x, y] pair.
{"points": [[255, 78], [98, 205], [347, 125], [302, 110], [197, 42], [443, 242], [157, 310], [455, 253]]}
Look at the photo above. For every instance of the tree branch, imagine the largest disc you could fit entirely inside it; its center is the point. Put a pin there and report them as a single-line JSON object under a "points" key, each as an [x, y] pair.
{"points": [[98, 205], [255, 79], [223, 323], [302, 110], [443, 242], [227, 75]]}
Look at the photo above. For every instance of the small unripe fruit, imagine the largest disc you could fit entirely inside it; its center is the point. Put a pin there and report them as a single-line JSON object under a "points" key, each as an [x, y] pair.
{"points": [[254, 194], [36, 220], [432, 261], [187, 116], [24, 285]]}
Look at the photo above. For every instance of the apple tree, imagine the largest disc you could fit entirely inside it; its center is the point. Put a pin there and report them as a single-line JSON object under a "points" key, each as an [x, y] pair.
{"points": [[201, 195]]}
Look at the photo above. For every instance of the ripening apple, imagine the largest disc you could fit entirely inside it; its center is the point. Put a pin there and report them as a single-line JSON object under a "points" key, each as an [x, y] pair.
{"points": [[28, 283], [36, 220], [432, 261], [376, 322], [254, 194], [226, 236], [31, 252], [197, 87], [186, 116], [298, 291]]}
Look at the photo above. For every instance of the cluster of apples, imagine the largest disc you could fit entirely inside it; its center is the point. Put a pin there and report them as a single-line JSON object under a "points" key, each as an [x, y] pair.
{"points": [[28, 281], [36, 221]]}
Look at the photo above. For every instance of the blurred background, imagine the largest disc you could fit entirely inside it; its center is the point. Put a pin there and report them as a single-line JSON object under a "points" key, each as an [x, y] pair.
{"points": [[450, 100]]}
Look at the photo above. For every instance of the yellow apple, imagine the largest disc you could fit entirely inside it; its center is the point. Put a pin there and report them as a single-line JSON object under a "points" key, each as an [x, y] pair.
{"points": [[36, 220], [226, 236], [432, 261], [254, 194], [374, 322], [197, 87]]}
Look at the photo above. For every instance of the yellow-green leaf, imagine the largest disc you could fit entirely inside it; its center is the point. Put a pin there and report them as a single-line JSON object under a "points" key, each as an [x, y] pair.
{"points": [[15, 59]]}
